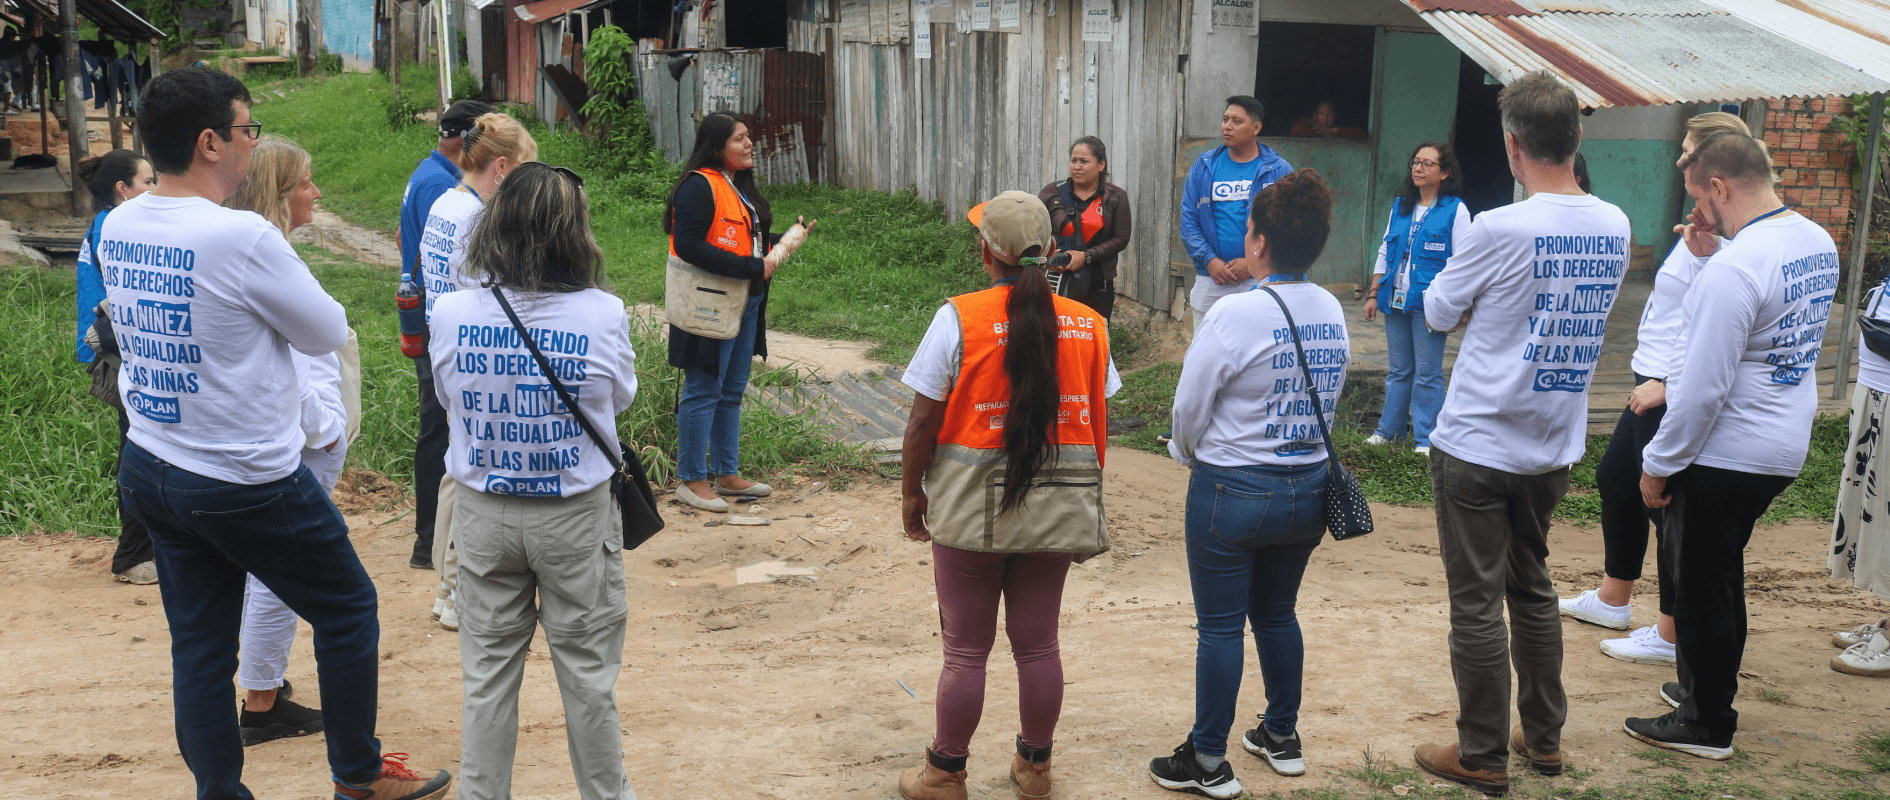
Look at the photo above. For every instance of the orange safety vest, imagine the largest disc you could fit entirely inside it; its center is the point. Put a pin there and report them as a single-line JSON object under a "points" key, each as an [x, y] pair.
{"points": [[1062, 512], [734, 227]]}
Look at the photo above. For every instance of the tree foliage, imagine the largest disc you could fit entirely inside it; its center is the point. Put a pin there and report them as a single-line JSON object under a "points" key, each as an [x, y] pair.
{"points": [[168, 16], [618, 124]]}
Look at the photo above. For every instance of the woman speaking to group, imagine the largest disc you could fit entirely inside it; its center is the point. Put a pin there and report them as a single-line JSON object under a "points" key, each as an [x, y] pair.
{"points": [[718, 223]]}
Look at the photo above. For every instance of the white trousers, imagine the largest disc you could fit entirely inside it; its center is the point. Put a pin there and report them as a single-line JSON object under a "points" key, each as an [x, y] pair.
{"points": [[268, 624], [1206, 292]]}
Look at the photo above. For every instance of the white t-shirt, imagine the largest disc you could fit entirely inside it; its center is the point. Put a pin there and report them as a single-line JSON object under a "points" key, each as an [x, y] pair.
{"points": [[1538, 278], [1872, 369], [934, 368], [1663, 332], [1402, 280], [1746, 392], [324, 416], [443, 244], [1242, 399], [510, 433], [206, 303]]}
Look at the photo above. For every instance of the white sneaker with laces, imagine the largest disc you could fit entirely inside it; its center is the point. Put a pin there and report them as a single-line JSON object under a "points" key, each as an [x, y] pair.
{"points": [[449, 619], [1376, 440], [1423, 450], [1643, 646], [439, 607], [1870, 659], [1859, 634], [1589, 608]]}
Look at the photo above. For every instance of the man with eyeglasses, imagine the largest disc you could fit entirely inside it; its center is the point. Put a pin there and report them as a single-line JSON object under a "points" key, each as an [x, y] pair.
{"points": [[207, 302], [432, 177]]}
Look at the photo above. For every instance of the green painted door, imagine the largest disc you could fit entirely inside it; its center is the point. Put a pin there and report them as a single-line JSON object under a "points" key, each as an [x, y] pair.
{"points": [[1417, 102]]}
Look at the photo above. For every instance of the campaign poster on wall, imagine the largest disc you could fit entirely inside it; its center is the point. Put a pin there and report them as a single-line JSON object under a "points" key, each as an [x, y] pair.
{"points": [[1096, 20], [1235, 16]]}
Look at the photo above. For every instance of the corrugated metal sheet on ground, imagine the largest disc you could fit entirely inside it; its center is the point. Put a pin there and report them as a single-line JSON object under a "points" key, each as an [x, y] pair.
{"points": [[1855, 32], [1619, 60]]}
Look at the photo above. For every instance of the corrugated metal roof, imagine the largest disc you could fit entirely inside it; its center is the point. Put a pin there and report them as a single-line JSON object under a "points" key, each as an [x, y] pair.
{"points": [[552, 9], [1493, 7], [1681, 8], [112, 18], [1855, 32], [1629, 59]]}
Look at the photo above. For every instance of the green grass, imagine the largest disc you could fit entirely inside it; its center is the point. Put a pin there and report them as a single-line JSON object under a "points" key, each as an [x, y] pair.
{"points": [[58, 445], [1398, 476], [876, 268]]}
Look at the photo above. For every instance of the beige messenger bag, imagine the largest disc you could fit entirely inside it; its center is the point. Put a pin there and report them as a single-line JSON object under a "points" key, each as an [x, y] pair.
{"points": [[702, 302]]}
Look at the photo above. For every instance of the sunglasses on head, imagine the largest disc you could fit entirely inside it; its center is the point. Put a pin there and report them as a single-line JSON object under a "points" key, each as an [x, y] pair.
{"points": [[565, 171]]}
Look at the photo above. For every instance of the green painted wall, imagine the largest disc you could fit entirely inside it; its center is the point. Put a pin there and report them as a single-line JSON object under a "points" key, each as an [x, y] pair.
{"points": [[1417, 102], [1639, 176], [1347, 168]]}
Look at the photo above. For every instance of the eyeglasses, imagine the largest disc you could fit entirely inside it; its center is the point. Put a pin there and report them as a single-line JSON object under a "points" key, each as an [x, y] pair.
{"points": [[255, 129], [565, 171], [1418, 162]]}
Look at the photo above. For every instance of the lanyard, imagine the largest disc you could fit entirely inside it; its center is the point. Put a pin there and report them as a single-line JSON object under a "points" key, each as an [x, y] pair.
{"points": [[1281, 277], [1773, 213], [1410, 239], [1003, 282], [753, 234]]}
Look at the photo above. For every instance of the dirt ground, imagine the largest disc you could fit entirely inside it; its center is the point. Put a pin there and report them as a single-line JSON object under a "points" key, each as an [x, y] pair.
{"points": [[792, 689]]}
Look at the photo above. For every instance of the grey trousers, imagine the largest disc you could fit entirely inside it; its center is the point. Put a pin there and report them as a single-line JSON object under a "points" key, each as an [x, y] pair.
{"points": [[555, 563], [1492, 530]]}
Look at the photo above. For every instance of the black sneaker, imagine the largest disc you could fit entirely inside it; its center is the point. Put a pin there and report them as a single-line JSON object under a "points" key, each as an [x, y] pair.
{"points": [[281, 721], [420, 561], [1280, 753], [1672, 693], [1182, 773], [1674, 733]]}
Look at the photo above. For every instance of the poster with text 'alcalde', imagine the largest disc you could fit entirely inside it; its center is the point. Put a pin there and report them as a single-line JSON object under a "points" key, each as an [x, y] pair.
{"points": [[921, 28], [1010, 14], [981, 15], [1235, 16], [1096, 22]]}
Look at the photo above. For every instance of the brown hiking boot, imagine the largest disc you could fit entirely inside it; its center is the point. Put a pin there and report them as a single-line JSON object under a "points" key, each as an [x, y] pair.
{"points": [[1030, 770], [397, 782], [1441, 760], [1542, 763], [940, 779]]}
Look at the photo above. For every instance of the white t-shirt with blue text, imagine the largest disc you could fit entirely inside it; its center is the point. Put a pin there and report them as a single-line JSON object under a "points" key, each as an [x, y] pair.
{"points": [[510, 432], [1538, 279], [1746, 392], [1242, 399], [207, 303], [443, 244]]}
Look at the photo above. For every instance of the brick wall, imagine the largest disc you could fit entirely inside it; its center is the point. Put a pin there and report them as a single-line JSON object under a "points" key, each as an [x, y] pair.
{"points": [[1814, 162]]}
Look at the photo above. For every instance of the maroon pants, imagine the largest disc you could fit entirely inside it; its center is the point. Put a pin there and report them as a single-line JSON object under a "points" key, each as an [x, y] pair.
{"points": [[969, 586]]}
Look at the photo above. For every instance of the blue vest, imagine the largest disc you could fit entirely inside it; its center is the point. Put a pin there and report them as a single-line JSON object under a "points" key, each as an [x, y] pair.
{"points": [[1427, 257]]}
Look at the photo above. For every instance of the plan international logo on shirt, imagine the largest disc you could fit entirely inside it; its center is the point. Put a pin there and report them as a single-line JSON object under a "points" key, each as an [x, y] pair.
{"points": [[1561, 380], [157, 409], [1232, 190], [514, 486]]}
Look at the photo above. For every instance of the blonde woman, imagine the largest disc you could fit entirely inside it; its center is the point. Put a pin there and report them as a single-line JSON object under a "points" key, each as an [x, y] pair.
{"points": [[494, 146], [280, 188]]}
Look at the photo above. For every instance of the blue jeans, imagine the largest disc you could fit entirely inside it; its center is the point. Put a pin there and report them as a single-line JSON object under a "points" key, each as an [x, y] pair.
{"points": [[709, 414], [1414, 386], [1250, 532], [207, 534]]}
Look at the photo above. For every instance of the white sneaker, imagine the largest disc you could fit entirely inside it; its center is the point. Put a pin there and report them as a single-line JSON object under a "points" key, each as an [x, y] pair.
{"points": [[1589, 608], [449, 619], [439, 607], [1423, 450], [1859, 634], [1643, 646], [1870, 659], [1375, 440]]}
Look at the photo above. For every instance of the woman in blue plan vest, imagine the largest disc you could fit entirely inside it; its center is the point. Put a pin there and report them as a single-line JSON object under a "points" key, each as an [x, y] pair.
{"points": [[1418, 240]]}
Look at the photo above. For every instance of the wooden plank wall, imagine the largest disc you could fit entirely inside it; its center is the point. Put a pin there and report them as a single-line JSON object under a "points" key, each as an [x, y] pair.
{"points": [[992, 111]]}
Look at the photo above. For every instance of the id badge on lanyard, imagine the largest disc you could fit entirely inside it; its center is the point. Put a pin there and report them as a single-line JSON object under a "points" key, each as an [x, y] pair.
{"points": [[1399, 296]]}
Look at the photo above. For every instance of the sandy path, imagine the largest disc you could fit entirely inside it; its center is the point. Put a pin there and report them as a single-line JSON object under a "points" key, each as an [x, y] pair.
{"points": [[790, 690]]}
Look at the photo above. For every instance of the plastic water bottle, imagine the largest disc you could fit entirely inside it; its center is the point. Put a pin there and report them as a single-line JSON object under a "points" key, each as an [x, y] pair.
{"points": [[413, 317]]}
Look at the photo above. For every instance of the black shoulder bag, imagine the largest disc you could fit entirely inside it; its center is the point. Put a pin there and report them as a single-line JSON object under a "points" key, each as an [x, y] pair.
{"points": [[1876, 332], [1347, 513], [629, 483], [1079, 283]]}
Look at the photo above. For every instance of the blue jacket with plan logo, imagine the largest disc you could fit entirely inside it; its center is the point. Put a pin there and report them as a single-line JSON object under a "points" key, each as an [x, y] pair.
{"points": [[1197, 199]]}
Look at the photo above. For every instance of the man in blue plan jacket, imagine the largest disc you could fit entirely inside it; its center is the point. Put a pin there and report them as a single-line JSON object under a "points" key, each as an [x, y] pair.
{"points": [[1216, 199]]}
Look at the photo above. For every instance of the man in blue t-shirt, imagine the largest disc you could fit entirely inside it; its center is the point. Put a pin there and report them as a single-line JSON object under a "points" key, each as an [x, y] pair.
{"points": [[433, 177], [1216, 199]]}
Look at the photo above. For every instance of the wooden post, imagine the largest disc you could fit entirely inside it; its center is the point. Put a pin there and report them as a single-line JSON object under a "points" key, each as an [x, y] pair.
{"points": [[113, 103], [77, 146], [1860, 236], [45, 104]]}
